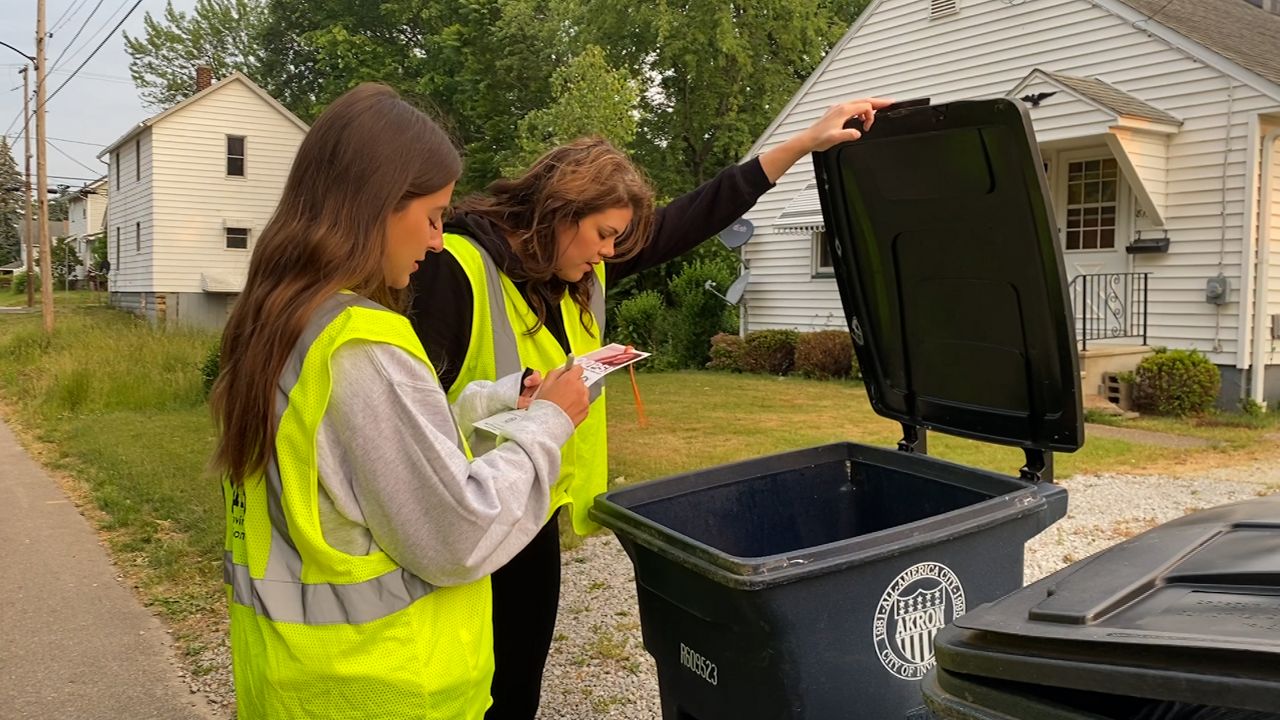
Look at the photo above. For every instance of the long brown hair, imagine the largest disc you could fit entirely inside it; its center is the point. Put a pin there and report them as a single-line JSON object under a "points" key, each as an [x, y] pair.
{"points": [[565, 185], [367, 155]]}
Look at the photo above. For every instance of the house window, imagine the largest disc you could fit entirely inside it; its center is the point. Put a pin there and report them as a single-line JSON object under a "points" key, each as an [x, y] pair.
{"points": [[117, 248], [137, 160], [137, 237], [1092, 189], [238, 238], [822, 265], [235, 156], [117, 171]]}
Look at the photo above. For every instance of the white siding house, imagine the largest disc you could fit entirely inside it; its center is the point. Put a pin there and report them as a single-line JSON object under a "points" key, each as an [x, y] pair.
{"points": [[1155, 120], [86, 218], [191, 188]]}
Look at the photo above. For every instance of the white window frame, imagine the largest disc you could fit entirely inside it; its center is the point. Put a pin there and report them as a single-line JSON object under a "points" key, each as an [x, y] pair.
{"points": [[243, 156], [816, 245], [1060, 165], [226, 237]]}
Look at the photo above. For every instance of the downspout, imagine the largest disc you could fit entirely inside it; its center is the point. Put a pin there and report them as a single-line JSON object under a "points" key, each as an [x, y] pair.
{"points": [[1248, 259], [1261, 338], [1222, 248]]}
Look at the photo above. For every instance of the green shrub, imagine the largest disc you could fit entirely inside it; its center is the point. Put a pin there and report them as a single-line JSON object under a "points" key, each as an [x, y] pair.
{"points": [[20, 282], [824, 355], [770, 351], [211, 366], [1176, 382], [726, 352], [1252, 408], [698, 314], [641, 321]]}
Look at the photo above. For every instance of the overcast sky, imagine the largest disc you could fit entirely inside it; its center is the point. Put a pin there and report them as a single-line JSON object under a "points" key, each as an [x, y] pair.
{"points": [[99, 104]]}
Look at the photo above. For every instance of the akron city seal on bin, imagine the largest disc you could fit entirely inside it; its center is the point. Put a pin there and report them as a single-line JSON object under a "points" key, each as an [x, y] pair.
{"points": [[917, 604]]}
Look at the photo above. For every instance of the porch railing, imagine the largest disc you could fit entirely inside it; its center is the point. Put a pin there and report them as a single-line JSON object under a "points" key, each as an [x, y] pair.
{"points": [[1109, 306]]}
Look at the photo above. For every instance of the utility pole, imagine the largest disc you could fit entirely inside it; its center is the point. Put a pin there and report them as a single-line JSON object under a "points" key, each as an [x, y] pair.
{"points": [[42, 176], [28, 230]]}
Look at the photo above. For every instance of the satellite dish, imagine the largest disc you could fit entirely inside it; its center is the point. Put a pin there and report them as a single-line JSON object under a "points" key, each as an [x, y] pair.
{"points": [[733, 295], [737, 234]]}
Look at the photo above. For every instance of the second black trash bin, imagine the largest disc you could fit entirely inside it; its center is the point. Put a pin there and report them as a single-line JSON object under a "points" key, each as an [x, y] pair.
{"points": [[811, 584], [1179, 623]]}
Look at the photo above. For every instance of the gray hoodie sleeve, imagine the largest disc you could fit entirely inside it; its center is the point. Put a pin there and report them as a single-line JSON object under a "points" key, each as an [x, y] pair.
{"points": [[389, 461]]}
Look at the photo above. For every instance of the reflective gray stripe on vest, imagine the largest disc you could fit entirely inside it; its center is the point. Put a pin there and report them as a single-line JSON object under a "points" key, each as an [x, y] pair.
{"points": [[506, 352], [324, 603], [280, 595]]}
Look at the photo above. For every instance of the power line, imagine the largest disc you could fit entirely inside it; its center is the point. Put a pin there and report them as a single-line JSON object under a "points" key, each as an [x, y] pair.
{"points": [[93, 36], [16, 135], [75, 37], [95, 52], [97, 76], [13, 122], [66, 15], [68, 156], [81, 179]]}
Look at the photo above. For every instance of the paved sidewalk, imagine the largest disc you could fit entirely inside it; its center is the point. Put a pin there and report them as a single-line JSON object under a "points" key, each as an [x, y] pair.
{"points": [[74, 643]]}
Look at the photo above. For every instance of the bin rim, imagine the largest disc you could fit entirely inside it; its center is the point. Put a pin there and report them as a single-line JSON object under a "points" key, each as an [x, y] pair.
{"points": [[751, 573]]}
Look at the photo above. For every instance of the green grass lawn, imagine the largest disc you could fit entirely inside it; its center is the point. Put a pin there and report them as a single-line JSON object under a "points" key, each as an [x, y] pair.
{"points": [[1232, 429], [8, 298], [700, 419], [118, 406]]}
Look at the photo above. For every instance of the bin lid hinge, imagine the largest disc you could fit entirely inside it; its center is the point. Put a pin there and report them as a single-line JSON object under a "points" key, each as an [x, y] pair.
{"points": [[1039, 467], [914, 440]]}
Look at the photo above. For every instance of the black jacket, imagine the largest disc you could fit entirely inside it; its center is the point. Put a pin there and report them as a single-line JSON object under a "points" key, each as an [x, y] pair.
{"points": [[442, 302]]}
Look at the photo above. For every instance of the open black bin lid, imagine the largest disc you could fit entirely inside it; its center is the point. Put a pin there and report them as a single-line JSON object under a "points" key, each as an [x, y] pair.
{"points": [[951, 274], [1189, 611]]}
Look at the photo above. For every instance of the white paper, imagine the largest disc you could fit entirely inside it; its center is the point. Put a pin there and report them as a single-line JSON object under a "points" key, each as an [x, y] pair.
{"points": [[595, 365]]}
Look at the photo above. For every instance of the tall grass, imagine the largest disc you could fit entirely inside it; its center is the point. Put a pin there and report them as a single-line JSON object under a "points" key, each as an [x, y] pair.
{"points": [[120, 406]]}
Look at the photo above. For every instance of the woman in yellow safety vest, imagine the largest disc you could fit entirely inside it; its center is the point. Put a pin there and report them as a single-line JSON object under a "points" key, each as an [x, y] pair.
{"points": [[360, 529], [524, 270]]}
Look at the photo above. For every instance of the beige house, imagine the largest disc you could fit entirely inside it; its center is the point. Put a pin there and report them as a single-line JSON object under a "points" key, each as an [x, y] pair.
{"points": [[190, 190], [86, 221]]}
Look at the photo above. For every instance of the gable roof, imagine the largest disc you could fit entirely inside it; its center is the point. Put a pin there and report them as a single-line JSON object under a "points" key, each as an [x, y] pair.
{"points": [[232, 78], [1234, 29], [1107, 96]]}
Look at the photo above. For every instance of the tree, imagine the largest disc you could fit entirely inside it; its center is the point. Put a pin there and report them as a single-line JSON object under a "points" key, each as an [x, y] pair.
{"points": [[591, 98], [716, 73], [222, 34], [11, 202], [59, 206], [477, 65], [65, 259], [99, 249]]}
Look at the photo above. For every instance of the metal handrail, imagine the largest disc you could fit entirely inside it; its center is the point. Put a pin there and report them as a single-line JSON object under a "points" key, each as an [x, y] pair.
{"points": [[1109, 306]]}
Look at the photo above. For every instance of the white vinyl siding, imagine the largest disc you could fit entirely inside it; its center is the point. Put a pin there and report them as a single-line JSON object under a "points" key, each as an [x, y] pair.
{"points": [[196, 201], [985, 51]]}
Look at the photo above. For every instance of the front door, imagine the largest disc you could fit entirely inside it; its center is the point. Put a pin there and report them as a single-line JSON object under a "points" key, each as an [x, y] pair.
{"points": [[1093, 208]]}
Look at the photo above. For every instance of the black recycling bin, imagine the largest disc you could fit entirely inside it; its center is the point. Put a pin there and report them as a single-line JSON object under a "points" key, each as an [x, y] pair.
{"points": [[1179, 623], [811, 584]]}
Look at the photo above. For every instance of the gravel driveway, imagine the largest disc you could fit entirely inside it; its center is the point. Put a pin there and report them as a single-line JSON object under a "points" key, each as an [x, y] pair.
{"points": [[599, 669]]}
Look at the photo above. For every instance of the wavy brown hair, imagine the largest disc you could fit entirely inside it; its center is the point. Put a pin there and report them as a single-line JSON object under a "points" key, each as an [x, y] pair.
{"points": [[367, 155], [572, 181]]}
